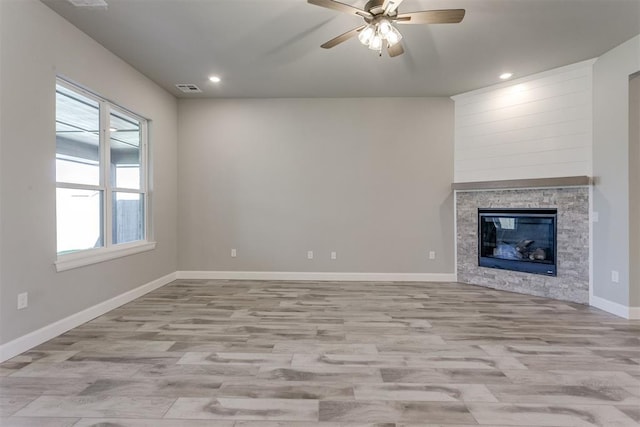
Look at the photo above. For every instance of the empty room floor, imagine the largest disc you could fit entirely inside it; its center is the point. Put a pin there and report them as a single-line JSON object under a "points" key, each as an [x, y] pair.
{"points": [[269, 353]]}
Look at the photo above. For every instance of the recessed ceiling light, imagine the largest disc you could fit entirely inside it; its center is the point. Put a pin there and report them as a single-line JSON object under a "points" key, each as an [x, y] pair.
{"points": [[215, 79], [506, 76]]}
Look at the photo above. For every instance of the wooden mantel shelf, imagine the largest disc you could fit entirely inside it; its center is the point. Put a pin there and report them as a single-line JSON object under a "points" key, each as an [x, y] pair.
{"points": [[564, 181]]}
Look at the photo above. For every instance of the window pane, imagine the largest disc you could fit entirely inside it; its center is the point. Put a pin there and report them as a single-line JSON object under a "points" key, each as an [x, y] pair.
{"points": [[77, 138], [128, 217], [125, 151], [77, 172], [78, 219]]}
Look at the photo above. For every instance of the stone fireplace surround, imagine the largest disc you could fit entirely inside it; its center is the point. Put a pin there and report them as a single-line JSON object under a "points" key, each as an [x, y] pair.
{"points": [[569, 195]]}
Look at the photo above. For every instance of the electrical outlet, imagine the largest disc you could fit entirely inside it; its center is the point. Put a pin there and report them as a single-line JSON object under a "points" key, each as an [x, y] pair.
{"points": [[234, 253], [432, 254], [595, 217], [309, 254], [23, 300], [615, 276], [334, 255]]}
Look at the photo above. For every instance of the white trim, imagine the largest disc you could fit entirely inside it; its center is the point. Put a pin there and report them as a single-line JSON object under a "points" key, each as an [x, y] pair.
{"points": [[71, 186], [590, 245], [84, 258], [35, 338], [455, 235], [615, 308], [301, 275], [107, 214]]}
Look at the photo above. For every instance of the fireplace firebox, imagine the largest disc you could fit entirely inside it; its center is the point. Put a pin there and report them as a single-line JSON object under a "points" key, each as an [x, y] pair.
{"points": [[518, 239]]}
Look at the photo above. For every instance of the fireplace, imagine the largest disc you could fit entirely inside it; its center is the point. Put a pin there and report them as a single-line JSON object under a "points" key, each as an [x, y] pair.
{"points": [[570, 203], [518, 239]]}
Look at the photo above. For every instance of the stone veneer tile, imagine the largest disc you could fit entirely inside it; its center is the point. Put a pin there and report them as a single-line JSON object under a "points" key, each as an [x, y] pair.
{"points": [[572, 281]]}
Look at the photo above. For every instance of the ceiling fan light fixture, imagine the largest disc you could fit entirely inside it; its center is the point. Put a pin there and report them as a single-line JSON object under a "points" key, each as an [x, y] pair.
{"points": [[374, 35], [375, 43], [384, 28], [394, 36], [367, 34]]}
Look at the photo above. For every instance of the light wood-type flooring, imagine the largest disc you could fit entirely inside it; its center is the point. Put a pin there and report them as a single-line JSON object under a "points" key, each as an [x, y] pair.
{"points": [[265, 354]]}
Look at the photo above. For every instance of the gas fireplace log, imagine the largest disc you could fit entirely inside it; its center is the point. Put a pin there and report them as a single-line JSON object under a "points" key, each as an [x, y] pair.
{"points": [[538, 255]]}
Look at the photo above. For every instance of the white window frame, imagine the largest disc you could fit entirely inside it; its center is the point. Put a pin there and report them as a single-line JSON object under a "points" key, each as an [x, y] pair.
{"points": [[109, 250]]}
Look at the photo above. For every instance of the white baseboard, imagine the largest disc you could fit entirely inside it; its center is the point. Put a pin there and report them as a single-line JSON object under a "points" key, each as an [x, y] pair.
{"points": [[35, 338], [615, 308], [299, 275]]}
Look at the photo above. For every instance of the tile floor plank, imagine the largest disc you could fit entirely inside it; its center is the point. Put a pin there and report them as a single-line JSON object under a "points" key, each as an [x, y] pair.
{"points": [[96, 406], [227, 408]]}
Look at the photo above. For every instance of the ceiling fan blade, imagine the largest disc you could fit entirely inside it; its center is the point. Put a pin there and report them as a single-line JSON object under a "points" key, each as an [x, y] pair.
{"points": [[445, 16], [342, 37], [395, 50], [390, 6], [341, 7]]}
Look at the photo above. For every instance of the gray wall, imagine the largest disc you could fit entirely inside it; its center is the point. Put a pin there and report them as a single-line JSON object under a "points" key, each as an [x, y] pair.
{"points": [[37, 44], [274, 178], [611, 168], [634, 191]]}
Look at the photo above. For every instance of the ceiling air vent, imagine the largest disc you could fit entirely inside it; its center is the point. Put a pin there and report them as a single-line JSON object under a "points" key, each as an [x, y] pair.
{"points": [[89, 3], [188, 88]]}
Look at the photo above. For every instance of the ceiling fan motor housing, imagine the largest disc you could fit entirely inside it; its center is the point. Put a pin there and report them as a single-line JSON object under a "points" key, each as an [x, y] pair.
{"points": [[375, 8]]}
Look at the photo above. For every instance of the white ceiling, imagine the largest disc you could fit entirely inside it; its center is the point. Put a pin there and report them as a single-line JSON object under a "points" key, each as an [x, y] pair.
{"points": [[271, 48]]}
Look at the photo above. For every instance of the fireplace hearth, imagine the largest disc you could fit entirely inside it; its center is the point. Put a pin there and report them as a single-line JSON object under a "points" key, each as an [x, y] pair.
{"points": [[518, 239]]}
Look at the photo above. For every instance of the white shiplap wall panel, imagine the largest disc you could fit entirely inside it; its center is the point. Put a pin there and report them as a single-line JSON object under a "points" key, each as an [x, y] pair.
{"points": [[545, 144], [514, 136], [536, 127], [521, 172], [517, 160], [558, 102], [525, 121]]}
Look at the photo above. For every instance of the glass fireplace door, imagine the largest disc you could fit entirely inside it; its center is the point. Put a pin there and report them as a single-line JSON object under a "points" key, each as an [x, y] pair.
{"points": [[520, 240]]}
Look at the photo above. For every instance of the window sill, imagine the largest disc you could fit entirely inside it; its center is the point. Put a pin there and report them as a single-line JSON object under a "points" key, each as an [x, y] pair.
{"points": [[84, 258]]}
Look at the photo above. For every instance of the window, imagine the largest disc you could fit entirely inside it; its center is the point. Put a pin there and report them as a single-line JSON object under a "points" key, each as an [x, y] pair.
{"points": [[101, 179]]}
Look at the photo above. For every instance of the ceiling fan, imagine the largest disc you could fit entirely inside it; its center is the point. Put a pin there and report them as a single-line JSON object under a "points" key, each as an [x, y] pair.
{"points": [[378, 31]]}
